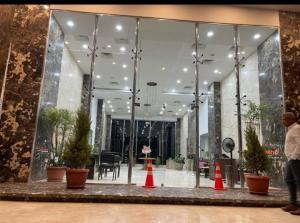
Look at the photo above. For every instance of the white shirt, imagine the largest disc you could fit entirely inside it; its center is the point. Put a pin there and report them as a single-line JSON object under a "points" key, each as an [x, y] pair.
{"points": [[292, 142]]}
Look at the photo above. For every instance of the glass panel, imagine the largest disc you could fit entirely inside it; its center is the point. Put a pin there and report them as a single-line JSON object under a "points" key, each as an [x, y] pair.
{"points": [[261, 68]]}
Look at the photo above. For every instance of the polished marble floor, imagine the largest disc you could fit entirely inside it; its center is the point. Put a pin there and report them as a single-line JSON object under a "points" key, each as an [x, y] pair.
{"points": [[36, 212]]}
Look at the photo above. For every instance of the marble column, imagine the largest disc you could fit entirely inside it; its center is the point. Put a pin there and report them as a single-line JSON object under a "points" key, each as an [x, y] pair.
{"points": [[85, 93], [290, 56], [108, 132], [214, 119], [177, 143], [99, 126], [22, 90]]}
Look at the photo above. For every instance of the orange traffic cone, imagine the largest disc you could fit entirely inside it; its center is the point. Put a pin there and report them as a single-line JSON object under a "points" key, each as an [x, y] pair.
{"points": [[218, 178], [149, 179]]}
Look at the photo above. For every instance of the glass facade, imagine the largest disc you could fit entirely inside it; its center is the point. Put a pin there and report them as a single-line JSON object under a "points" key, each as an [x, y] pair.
{"points": [[98, 61]]}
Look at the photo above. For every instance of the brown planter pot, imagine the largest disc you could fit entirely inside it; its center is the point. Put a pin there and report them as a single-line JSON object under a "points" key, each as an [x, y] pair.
{"points": [[76, 178], [55, 174], [245, 176], [258, 184]]}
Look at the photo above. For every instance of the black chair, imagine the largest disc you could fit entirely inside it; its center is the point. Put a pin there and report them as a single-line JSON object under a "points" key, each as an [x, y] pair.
{"points": [[111, 161]]}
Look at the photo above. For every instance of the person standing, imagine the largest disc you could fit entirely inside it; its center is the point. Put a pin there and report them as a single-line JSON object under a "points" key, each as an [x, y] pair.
{"points": [[292, 152]]}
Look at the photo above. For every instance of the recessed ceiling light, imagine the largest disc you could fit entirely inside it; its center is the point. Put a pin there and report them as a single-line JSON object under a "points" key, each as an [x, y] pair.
{"points": [[185, 69], [128, 111], [173, 90], [210, 34], [122, 49], [256, 36], [108, 46], [78, 61], [66, 42], [180, 109], [230, 55], [176, 113], [194, 53], [216, 71], [112, 110], [161, 113], [108, 102], [128, 102], [125, 78], [184, 105], [163, 68], [98, 76], [110, 106], [113, 62], [178, 81], [85, 46], [70, 23], [124, 65], [243, 52], [127, 88], [119, 27], [205, 82]]}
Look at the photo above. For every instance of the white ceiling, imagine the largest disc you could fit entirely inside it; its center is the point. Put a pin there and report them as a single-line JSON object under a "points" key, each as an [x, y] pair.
{"points": [[164, 43]]}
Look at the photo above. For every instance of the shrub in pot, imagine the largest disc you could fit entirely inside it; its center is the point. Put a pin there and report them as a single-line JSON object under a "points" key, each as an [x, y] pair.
{"points": [[77, 152], [56, 124], [256, 162], [179, 162]]}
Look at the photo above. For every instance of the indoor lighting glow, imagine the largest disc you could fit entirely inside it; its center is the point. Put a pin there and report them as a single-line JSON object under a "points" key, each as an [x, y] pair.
{"points": [[128, 102], [230, 55], [98, 76], [163, 68], [178, 81], [161, 113], [122, 49], [70, 23], [113, 62], [108, 46], [180, 109], [128, 107], [127, 88], [78, 61], [128, 111], [56, 74], [70, 75], [256, 36], [205, 83], [176, 113], [210, 34], [46, 7], [125, 78], [124, 65], [112, 110], [119, 27], [108, 102], [189, 110], [277, 38], [216, 71], [261, 74], [185, 69], [184, 105], [66, 42], [193, 53], [243, 52], [85, 46], [173, 90], [110, 106]]}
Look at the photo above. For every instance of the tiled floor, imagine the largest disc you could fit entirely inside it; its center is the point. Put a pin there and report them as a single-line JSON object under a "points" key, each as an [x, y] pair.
{"points": [[161, 175], [32, 212]]}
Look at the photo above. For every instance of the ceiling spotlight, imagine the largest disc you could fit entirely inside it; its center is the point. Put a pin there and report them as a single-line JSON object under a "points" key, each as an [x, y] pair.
{"points": [[98, 76], [70, 23], [183, 105], [161, 113], [176, 113], [210, 34], [185, 69], [125, 78], [128, 111], [178, 81], [243, 52], [127, 102], [108, 102], [205, 82], [193, 53], [124, 65], [128, 107], [230, 55], [163, 68], [85, 46], [180, 109], [66, 42], [113, 62], [216, 71], [110, 106], [108, 46], [119, 27], [78, 61], [256, 36], [122, 49], [189, 110], [112, 110], [126, 88]]}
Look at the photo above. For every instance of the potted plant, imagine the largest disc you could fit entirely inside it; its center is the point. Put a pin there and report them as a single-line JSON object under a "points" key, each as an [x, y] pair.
{"points": [[77, 152], [179, 162], [57, 124], [157, 161], [256, 162]]}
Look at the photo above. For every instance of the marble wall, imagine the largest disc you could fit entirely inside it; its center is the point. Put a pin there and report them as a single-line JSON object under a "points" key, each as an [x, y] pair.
{"points": [[108, 132], [29, 29], [85, 92], [290, 56], [99, 126]]}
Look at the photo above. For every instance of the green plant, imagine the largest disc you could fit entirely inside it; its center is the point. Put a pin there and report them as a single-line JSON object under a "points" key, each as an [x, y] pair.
{"points": [[77, 152], [179, 159], [256, 160], [255, 113], [157, 160], [56, 125]]}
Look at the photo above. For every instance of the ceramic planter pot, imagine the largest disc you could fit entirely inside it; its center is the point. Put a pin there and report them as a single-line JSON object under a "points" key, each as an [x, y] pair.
{"points": [[179, 166], [76, 178], [55, 174], [258, 184]]}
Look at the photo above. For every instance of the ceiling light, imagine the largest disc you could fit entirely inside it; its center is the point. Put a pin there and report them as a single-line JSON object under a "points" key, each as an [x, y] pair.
{"points": [[124, 65], [112, 110], [210, 34], [185, 69], [180, 109], [125, 78], [163, 68], [46, 7], [70, 74], [110, 106], [98, 76], [216, 71], [176, 113], [108, 102], [173, 90], [178, 81], [127, 88], [261, 74], [70, 23], [119, 27], [108, 46], [243, 52], [127, 102], [113, 62], [256, 36], [193, 53], [66, 42], [205, 82], [85, 46], [277, 38], [122, 49], [78, 61], [128, 107], [161, 113], [128, 111], [230, 55], [184, 105]]}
